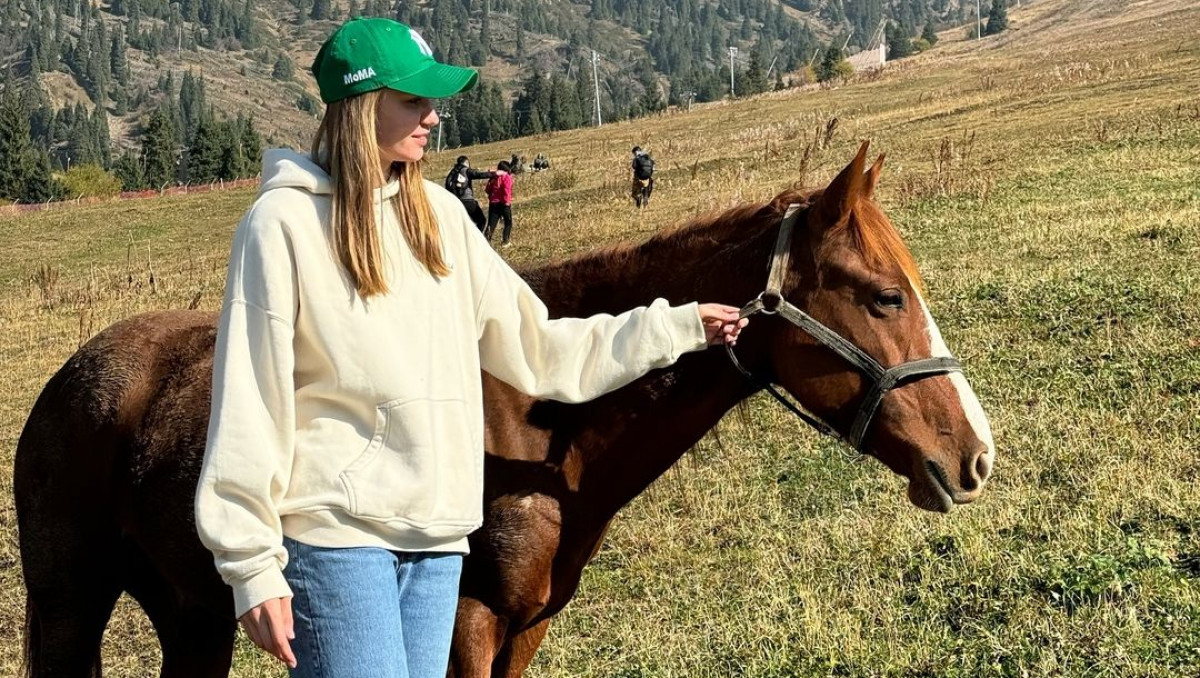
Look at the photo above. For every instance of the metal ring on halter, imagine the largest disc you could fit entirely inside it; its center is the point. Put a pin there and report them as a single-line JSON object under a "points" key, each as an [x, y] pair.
{"points": [[771, 307]]}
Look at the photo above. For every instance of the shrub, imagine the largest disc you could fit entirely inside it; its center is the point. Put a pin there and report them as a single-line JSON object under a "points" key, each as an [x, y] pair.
{"points": [[89, 181]]}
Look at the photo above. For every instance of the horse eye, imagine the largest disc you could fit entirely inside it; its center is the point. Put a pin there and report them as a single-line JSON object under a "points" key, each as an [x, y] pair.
{"points": [[890, 298]]}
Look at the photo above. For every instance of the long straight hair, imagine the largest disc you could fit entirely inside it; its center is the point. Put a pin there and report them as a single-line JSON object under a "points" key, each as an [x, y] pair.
{"points": [[345, 146]]}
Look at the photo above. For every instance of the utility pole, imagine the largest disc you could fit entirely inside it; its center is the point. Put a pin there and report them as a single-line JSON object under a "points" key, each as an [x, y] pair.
{"points": [[732, 53], [978, 22], [443, 117], [596, 80]]}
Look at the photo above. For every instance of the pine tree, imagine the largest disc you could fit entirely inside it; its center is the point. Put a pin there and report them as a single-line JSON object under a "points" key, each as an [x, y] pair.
{"points": [[129, 170], [320, 10], [158, 150], [997, 20], [899, 45], [828, 68], [15, 144], [754, 80], [283, 69], [929, 34], [40, 185], [204, 155]]}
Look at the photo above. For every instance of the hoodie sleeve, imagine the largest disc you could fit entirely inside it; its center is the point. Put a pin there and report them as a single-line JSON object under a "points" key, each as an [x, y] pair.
{"points": [[571, 359], [251, 429]]}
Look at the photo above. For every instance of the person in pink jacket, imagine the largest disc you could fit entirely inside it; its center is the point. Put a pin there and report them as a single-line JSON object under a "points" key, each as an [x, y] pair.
{"points": [[499, 190]]}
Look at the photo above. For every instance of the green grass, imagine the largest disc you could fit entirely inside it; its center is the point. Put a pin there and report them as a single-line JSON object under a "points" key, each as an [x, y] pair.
{"points": [[1060, 245]]}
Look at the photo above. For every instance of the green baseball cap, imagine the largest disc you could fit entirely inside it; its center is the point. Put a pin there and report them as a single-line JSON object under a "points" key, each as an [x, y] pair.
{"points": [[369, 53]]}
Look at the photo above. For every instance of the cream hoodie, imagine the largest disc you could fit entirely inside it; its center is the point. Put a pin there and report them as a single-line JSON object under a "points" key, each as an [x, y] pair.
{"points": [[339, 421]]}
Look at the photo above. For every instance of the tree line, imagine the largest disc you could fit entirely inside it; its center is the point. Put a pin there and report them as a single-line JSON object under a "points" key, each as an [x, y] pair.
{"points": [[183, 141]]}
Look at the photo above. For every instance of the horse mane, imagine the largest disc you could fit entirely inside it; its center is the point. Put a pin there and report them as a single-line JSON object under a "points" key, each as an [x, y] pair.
{"points": [[721, 234]]}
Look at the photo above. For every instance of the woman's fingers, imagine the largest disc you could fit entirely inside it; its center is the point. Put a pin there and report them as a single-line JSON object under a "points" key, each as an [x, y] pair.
{"points": [[722, 323], [279, 623], [269, 626]]}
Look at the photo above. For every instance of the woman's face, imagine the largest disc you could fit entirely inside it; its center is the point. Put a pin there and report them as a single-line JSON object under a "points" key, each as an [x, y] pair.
{"points": [[402, 124]]}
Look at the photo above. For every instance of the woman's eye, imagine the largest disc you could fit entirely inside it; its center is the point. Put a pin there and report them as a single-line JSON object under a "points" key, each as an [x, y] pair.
{"points": [[890, 299]]}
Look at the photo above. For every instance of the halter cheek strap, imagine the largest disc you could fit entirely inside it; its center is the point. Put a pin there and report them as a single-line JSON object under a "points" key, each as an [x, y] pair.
{"points": [[772, 302]]}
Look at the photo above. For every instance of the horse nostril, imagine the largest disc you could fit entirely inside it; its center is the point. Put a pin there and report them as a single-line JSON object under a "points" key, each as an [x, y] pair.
{"points": [[981, 466]]}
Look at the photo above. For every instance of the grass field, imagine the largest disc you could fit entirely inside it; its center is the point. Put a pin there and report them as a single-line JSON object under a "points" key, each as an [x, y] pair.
{"points": [[1048, 181]]}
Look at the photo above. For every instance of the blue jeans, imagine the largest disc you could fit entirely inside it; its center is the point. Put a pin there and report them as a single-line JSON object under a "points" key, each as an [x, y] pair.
{"points": [[370, 612]]}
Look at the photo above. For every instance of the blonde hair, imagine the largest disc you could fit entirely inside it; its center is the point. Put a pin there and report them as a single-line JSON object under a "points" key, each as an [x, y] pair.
{"points": [[345, 146]]}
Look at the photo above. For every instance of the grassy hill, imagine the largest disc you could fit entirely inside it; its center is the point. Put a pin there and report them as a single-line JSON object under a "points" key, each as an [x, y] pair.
{"points": [[1047, 180]]}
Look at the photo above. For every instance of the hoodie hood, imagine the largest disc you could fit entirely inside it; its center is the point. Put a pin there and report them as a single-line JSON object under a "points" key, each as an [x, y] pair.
{"points": [[285, 168]]}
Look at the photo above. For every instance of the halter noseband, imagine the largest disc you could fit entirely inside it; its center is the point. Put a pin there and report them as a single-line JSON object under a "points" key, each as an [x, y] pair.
{"points": [[772, 302]]}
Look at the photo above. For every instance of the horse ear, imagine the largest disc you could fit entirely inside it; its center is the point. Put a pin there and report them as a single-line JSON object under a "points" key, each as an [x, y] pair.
{"points": [[844, 191], [873, 176]]}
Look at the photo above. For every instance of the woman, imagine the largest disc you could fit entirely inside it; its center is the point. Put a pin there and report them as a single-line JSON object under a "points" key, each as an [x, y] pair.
{"points": [[499, 190], [344, 465]]}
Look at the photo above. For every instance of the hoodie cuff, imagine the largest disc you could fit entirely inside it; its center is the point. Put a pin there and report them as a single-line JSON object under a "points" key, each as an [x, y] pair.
{"points": [[685, 329], [261, 587]]}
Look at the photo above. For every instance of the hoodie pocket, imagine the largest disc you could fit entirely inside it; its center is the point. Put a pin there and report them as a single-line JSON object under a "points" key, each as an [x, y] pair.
{"points": [[420, 467]]}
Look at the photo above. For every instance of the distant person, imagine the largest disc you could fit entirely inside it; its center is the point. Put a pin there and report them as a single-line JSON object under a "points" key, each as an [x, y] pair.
{"points": [[458, 182], [499, 191], [541, 162], [516, 164], [643, 177]]}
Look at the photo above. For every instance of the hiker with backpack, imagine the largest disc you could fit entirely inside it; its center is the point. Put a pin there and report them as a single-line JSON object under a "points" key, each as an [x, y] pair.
{"points": [[458, 182], [643, 177]]}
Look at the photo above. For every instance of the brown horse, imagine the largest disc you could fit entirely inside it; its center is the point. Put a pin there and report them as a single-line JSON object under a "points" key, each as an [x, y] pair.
{"points": [[107, 464]]}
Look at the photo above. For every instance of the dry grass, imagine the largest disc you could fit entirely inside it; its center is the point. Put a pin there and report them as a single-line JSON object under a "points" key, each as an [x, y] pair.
{"points": [[1048, 182]]}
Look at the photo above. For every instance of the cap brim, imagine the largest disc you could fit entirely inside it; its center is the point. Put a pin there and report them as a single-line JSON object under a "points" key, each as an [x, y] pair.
{"points": [[437, 82]]}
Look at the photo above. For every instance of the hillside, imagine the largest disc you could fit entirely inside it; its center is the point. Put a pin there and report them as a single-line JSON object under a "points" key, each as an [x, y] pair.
{"points": [[1046, 180], [667, 48]]}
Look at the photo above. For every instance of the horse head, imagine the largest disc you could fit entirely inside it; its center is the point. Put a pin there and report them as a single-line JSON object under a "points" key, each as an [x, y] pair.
{"points": [[861, 351]]}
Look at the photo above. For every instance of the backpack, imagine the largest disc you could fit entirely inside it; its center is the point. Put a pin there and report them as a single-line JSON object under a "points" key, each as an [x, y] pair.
{"points": [[456, 181], [643, 167]]}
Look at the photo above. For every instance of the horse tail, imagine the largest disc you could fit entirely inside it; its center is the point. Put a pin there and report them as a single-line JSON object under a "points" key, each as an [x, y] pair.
{"points": [[31, 641]]}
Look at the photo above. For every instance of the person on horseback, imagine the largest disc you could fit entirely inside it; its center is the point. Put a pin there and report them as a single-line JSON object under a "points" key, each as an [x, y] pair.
{"points": [[643, 177], [343, 467]]}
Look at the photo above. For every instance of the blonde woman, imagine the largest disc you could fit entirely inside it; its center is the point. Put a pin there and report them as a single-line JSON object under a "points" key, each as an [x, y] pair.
{"points": [[344, 464]]}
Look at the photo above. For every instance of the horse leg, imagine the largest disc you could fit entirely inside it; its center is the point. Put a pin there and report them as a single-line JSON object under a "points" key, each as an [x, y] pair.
{"points": [[196, 642], [516, 654], [478, 635]]}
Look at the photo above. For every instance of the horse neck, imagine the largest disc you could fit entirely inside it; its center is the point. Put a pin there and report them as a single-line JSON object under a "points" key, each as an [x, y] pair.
{"points": [[630, 437]]}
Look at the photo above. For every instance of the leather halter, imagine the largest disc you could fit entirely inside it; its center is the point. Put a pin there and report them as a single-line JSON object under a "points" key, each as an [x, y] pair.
{"points": [[772, 302]]}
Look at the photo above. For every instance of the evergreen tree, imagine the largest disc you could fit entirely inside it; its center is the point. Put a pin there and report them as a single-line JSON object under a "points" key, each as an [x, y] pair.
{"points": [[997, 20], [828, 69], [204, 155], [283, 70], [320, 10], [158, 150], [899, 45], [251, 143], [15, 144], [40, 185], [129, 170], [118, 62], [929, 34], [754, 80]]}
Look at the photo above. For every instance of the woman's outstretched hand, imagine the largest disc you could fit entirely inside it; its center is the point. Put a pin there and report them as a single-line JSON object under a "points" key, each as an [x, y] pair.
{"points": [[269, 626], [721, 323]]}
